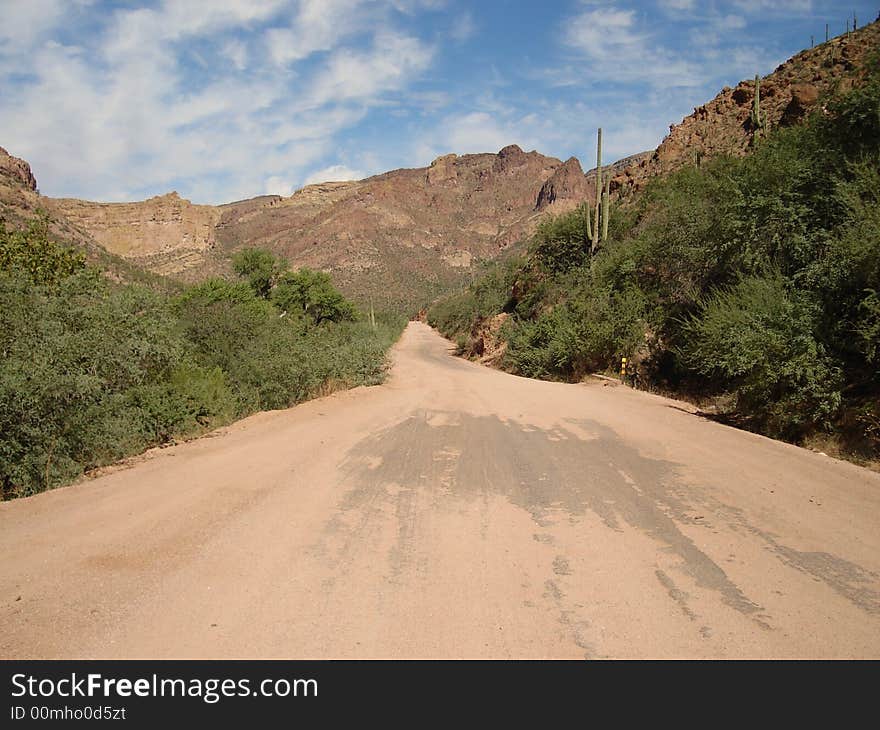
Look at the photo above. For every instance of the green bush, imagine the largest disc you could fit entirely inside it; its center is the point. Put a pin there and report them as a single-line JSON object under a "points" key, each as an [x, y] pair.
{"points": [[92, 371], [259, 268], [756, 338], [561, 242], [76, 358], [31, 253]]}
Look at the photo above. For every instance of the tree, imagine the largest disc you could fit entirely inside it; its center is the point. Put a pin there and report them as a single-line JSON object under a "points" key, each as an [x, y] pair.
{"points": [[260, 268], [312, 293]]}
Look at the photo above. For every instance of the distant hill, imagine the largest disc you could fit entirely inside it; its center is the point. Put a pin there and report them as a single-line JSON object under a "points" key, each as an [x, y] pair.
{"points": [[401, 236]]}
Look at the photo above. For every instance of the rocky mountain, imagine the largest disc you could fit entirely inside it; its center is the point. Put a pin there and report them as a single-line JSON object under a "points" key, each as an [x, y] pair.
{"points": [[723, 126], [388, 236], [21, 203]]}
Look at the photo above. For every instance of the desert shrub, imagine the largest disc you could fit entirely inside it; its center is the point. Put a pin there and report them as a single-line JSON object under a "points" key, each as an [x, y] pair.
{"points": [[90, 372], [868, 327], [757, 338], [455, 314], [31, 253], [560, 242], [272, 360], [489, 295], [589, 331], [93, 371]]}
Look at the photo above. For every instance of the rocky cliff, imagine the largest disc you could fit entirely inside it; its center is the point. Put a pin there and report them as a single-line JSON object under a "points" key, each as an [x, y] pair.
{"points": [[382, 235], [165, 234]]}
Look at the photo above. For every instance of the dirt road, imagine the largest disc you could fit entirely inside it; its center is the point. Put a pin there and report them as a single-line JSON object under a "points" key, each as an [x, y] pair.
{"points": [[454, 512]]}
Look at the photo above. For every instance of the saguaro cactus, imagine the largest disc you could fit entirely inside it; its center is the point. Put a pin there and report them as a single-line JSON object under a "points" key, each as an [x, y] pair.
{"points": [[588, 225], [598, 191], [756, 117]]}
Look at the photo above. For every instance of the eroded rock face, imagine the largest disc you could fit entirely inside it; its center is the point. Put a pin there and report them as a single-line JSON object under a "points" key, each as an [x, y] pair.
{"points": [[804, 98], [429, 222], [166, 234], [17, 171], [485, 341], [565, 188], [442, 170]]}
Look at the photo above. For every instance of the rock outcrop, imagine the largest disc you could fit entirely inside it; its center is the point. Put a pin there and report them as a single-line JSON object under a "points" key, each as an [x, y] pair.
{"points": [[566, 188], [17, 171], [421, 227], [166, 234], [442, 170]]}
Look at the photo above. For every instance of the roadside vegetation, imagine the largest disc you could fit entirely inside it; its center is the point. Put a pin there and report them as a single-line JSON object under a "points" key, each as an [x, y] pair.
{"points": [[92, 371], [752, 283]]}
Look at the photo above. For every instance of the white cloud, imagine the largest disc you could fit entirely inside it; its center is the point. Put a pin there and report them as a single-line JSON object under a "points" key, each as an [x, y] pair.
{"points": [[618, 51], [278, 185], [187, 95], [319, 25], [237, 53], [475, 132], [463, 27], [25, 21], [779, 6], [353, 75], [333, 173]]}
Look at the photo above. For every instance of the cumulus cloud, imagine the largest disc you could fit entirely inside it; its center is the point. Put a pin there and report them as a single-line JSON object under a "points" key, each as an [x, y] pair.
{"points": [[333, 173], [356, 75], [191, 95], [618, 50]]}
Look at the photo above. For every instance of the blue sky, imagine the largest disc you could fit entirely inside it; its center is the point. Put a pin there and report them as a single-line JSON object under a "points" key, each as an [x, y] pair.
{"points": [[227, 99]]}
